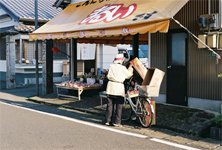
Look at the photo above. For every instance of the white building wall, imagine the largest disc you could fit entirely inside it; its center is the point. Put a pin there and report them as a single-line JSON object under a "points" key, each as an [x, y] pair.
{"points": [[58, 66], [214, 106], [3, 66], [109, 53], [106, 54]]}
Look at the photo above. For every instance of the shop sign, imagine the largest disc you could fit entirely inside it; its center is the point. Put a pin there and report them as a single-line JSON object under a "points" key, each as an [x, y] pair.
{"points": [[109, 13]]}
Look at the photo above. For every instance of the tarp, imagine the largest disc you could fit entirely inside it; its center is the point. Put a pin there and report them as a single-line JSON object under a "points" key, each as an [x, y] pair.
{"points": [[105, 18]]}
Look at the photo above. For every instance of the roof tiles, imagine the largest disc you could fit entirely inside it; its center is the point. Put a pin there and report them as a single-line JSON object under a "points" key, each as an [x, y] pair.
{"points": [[25, 9], [24, 28]]}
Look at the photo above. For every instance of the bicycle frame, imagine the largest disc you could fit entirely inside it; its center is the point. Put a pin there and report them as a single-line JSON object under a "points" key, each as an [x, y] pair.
{"points": [[135, 105]]}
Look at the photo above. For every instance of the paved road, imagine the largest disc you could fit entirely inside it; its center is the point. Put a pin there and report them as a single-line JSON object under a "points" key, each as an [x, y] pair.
{"points": [[41, 127]]}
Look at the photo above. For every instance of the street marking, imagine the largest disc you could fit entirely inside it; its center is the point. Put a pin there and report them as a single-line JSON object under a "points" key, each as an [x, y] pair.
{"points": [[173, 144], [79, 121]]}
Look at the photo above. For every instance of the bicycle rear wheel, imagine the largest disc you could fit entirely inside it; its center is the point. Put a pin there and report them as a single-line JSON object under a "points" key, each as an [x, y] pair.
{"points": [[145, 117], [127, 111]]}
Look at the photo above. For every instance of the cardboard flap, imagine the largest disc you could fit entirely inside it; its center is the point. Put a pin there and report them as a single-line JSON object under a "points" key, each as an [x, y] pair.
{"points": [[151, 83], [139, 67], [153, 77], [148, 77]]}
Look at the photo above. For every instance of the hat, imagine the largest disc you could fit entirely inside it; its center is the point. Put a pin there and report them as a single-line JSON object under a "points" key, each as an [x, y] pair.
{"points": [[119, 59]]}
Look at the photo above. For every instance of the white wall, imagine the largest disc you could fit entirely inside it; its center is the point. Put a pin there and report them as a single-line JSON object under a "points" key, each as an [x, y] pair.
{"points": [[58, 66], [3, 65], [109, 53], [197, 103], [205, 104], [106, 54]]}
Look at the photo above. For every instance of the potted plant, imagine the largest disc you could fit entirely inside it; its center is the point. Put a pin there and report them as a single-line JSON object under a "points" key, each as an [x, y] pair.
{"points": [[216, 129]]}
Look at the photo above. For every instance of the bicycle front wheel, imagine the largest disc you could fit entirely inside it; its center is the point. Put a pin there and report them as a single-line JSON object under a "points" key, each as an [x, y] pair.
{"points": [[145, 117], [127, 111]]}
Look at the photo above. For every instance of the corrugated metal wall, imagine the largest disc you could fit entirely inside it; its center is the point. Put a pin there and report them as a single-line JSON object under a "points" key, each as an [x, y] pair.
{"points": [[159, 54], [203, 81]]}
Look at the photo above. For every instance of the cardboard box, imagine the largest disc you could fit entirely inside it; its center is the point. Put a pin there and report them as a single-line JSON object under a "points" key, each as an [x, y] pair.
{"points": [[152, 82], [154, 114], [139, 67]]}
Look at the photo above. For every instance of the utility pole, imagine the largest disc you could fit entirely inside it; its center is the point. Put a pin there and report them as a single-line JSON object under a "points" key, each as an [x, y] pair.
{"points": [[36, 50]]}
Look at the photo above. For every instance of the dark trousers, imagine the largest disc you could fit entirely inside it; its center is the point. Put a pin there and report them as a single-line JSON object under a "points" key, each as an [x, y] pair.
{"points": [[114, 109]]}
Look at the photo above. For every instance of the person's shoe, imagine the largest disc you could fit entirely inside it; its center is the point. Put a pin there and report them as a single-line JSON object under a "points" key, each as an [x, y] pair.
{"points": [[107, 124], [117, 125]]}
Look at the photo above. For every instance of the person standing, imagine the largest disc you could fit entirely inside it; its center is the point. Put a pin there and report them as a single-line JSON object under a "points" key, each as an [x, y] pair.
{"points": [[115, 89]]}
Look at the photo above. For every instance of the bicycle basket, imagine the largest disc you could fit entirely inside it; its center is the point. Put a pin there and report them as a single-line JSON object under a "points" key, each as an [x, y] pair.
{"points": [[133, 93]]}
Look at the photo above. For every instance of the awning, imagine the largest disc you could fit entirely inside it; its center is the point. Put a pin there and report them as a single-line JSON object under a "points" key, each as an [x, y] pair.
{"points": [[105, 18]]}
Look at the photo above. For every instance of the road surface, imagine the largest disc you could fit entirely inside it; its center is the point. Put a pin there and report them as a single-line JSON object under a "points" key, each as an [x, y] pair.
{"points": [[38, 127]]}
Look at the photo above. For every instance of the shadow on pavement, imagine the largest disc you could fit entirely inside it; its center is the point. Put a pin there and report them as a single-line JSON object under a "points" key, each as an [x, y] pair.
{"points": [[56, 110], [27, 91]]}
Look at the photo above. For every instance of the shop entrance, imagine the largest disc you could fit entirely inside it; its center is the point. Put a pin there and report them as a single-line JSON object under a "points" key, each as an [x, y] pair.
{"points": [[177, 68]]}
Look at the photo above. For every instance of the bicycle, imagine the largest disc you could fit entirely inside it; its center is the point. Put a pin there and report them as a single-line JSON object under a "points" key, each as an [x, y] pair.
{"points": [[139, 104]]}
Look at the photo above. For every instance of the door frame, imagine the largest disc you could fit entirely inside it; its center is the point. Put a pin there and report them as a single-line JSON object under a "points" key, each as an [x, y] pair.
{"points": [[169, 52]]}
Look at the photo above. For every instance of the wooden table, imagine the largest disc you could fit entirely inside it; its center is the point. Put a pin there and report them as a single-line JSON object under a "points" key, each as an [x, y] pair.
{"points": [[79, 90]]}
